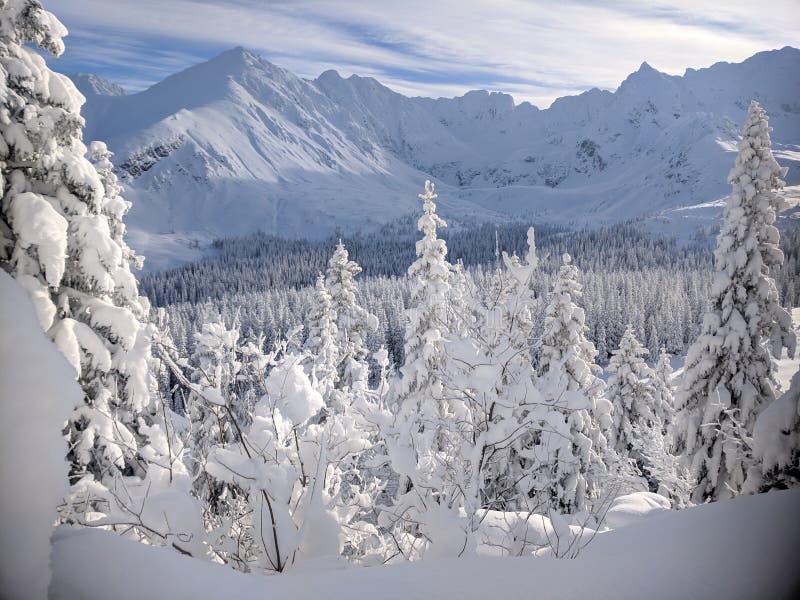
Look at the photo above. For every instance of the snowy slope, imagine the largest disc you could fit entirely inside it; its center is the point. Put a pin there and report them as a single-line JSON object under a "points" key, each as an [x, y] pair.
{"points": [[32, 448], [742, 548], [237, 144]]}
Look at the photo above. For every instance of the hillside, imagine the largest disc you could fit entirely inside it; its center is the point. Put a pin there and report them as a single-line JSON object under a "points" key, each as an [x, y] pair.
{"points": [[237, 144]]}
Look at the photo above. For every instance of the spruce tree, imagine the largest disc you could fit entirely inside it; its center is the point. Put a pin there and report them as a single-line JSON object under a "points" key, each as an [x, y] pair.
{"points": [[427, 440], [353, 322], [663, 390], [321, 342], [430, 276], [638, 432], [572, 448], [61, 237], [729, 375], [776, 442], [630, 390]]}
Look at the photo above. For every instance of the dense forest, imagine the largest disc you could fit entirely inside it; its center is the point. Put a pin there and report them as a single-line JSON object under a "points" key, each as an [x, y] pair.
{"points": [[631, 276]]}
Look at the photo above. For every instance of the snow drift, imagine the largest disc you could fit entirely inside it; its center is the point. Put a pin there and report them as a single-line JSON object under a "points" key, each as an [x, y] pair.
{"points": [[33, 469], [741, 548]]}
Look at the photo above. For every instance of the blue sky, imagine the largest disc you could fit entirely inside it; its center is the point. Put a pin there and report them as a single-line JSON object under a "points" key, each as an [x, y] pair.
{"points": [[534, 50]]}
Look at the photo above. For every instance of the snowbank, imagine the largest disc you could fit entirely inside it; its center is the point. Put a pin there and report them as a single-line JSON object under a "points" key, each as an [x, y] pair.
{"points": [[741, 548], [632, 508], [38, 391]]}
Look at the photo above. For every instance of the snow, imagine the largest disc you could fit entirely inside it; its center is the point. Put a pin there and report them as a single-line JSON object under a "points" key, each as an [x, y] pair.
{"points": [[291, 392], [39, 224], [236, 144], [741, 548], [89, 84], [38, 391], [632, 508]]}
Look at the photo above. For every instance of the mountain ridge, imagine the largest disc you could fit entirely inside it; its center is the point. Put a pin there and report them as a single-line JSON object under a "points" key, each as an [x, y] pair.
{"points": [[237, 144]]}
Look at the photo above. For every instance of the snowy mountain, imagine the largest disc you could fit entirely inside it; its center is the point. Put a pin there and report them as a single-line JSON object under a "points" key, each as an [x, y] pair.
{"points": [[89, 85], [238, 144]]}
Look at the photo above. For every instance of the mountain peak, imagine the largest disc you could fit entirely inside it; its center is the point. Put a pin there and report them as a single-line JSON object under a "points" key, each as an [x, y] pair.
{"points": [[480, 99], [646, 68], [644, 77], [330, 75], [237, 56], [90, 84]]}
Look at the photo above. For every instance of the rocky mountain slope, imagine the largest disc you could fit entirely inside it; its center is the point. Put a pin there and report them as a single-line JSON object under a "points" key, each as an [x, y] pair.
{"points": [[237, 144]]}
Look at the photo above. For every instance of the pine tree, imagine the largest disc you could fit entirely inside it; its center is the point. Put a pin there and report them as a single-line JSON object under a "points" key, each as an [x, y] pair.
{"points": [[638, 430], [573, 447], [630, 390], [353, 322], [427, 440], [729, 373], [321, 342], [427, 314], [776, 442], [61, 236], [565, 347], [664, 405]]}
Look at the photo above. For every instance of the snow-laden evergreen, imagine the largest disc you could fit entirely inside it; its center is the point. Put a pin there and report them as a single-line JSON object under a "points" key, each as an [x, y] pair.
{"points": [[425, 438], [663, 390], [729, 376], [776, 441], [631, 391], [61, 237], [321, 343], [641, 399], [575, 442], [427, 318], [353, 322]]}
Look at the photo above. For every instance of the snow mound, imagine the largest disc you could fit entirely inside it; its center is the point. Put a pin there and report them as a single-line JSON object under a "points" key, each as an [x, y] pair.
{"points": [[632, 508], [33, 471], [741, 548]]}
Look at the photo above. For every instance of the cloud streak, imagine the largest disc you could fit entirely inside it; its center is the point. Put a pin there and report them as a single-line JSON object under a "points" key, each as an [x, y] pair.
{"points": [[538, 50]]}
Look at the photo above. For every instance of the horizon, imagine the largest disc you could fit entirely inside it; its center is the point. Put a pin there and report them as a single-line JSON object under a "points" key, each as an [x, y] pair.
{"points": [[522, 49]]}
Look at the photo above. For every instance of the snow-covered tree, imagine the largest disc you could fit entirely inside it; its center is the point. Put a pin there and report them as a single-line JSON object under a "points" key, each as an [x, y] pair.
{"points": [[353, 322], [321, 341], [776, 442], [564, 344], [630, 390], [61, 237], [572, 448], [425, 434], [638, 432], [664, 405], [420, 387], [729, 373], [489, 364], [215, 368]]}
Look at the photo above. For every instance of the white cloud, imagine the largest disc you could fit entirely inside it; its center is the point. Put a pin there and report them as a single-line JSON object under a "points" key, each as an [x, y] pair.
{"points": [[539, 49]]}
